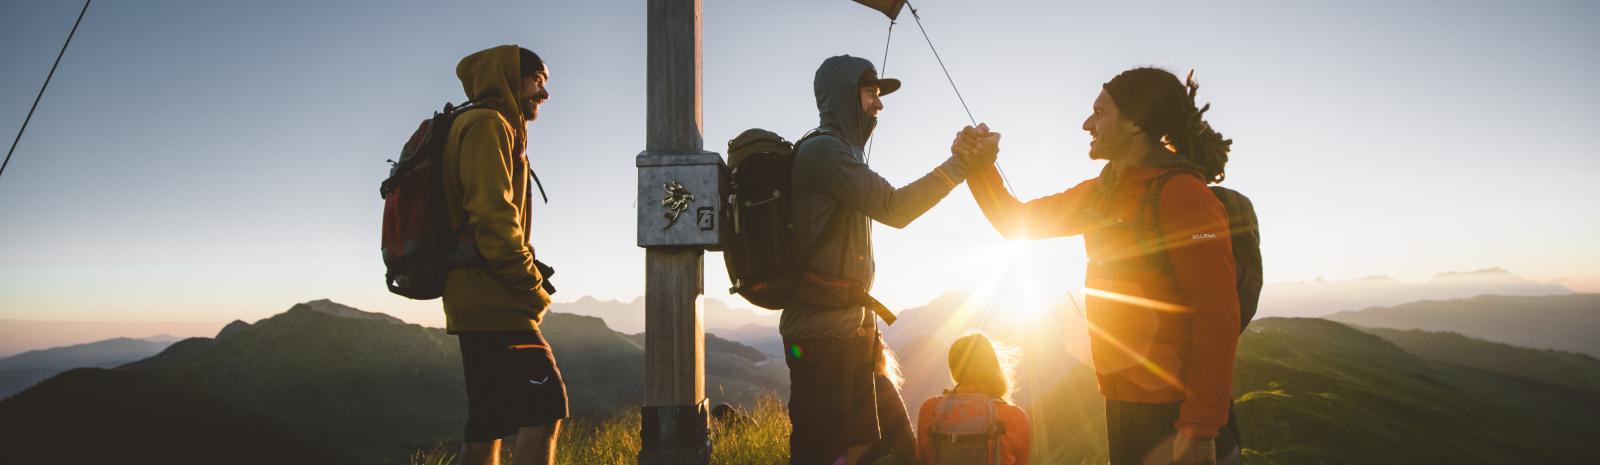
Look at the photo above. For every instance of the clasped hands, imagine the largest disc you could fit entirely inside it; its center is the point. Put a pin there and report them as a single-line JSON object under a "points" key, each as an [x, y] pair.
{"points": [[976, 146]]}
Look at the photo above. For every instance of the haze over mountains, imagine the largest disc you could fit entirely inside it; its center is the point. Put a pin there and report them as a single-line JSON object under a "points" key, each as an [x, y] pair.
{"points": [[17, 336], [628, 317], [1319, 297], [1296, 299], [1562, 322], [20, 371]]}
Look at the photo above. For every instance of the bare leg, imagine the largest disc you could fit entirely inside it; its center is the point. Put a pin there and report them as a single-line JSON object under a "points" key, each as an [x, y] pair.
{"points": [[536, 445], [481, 453]]}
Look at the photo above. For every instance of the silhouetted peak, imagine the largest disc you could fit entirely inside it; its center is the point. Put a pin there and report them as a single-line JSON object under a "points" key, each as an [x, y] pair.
{"points": [[329, 307], [231, 328]]}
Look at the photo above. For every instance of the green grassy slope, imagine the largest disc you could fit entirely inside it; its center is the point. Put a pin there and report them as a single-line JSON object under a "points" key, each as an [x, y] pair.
{"points": [[1316, 391], [1538, 365]]}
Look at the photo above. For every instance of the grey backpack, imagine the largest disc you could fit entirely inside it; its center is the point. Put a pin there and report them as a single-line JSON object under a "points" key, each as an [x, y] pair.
{"points": [[966, 431]]}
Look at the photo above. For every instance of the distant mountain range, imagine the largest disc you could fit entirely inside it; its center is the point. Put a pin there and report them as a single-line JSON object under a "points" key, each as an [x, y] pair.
{"points": [[18, 336], [1561, 322], [628, 317], [328, 381], [20, 371], [1319, 298]]}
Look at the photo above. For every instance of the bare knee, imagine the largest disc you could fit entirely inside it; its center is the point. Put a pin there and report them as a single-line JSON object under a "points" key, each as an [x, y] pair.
{"points": [[481, 453], [537, 444], [548, 430]]}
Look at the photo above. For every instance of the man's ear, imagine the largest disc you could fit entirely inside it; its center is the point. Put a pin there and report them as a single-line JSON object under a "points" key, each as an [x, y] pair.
{"points": [[1132, 127]]}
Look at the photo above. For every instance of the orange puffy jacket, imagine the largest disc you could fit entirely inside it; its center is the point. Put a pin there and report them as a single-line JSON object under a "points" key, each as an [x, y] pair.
{"points": [[1161, 328]]}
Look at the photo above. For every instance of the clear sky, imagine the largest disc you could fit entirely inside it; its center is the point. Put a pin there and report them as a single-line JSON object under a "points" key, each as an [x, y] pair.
{"points": [[211, 160]]}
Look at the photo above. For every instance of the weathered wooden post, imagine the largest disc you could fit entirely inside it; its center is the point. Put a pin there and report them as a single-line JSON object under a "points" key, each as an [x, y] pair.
{"points": [[680, 186]]}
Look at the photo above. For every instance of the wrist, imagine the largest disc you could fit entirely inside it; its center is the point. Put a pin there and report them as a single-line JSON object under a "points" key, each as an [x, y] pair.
{"points": [[1197, 433], [956, 168]]}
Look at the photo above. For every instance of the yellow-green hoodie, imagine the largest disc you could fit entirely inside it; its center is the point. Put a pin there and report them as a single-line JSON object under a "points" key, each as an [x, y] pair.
{"points": [[486, 190]]}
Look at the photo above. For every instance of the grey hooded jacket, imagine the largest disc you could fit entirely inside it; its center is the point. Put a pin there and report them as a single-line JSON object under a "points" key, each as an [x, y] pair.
{"points": [[830, 178]]}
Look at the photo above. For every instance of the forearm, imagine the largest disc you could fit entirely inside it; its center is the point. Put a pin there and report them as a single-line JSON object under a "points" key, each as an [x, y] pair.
{"points": [[1061, 214], [997, 203], [899, 207]]}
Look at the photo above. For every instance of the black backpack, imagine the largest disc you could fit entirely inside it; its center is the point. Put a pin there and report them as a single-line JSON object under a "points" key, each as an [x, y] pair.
{"points": [[762, 263], [1242, 228], [417, 236]]}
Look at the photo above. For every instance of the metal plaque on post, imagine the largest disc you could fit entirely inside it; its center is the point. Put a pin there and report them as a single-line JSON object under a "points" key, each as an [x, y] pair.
{"points": [[680, 200]]}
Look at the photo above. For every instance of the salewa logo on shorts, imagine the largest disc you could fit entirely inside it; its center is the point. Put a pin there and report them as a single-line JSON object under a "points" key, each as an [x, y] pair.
{"points": [[539, 382], [1200, 236]]}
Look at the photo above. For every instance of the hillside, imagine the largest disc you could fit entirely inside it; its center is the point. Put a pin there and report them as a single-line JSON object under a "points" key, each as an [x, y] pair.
{"points": [[20, 371], [1317, 391], [1541, 365], [1560, 322], [1312, 391], [362, 383], [134, 417]]}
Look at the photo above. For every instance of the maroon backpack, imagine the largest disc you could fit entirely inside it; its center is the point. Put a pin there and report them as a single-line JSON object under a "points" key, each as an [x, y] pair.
{"points": [[417, 236]]}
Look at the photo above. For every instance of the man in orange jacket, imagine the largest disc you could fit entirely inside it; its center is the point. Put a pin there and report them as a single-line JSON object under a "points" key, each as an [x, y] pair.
{"points": [[1163, 309]]}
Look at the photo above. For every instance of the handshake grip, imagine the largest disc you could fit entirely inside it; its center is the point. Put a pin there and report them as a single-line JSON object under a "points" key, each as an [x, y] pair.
{"points": [[976, 146]]}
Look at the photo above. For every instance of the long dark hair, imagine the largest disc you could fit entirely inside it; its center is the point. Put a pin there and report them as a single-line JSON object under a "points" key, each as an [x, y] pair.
{"points": [[1164, 108]]}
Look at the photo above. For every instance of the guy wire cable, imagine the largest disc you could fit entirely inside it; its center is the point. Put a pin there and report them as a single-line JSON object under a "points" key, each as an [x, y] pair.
{"points": [[918, 17], [881, 73], [46, 85]]}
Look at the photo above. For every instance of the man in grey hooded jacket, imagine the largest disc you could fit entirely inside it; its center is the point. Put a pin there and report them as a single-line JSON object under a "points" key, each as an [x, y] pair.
{"points": [[841, 398]]}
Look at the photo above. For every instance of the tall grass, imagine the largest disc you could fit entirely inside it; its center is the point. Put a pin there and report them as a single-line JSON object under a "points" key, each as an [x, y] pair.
{"points": [[760, 436]]}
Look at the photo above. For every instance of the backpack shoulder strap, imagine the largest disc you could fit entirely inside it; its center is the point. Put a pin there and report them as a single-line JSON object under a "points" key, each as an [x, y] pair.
{"points": [[1149, 217], [815, 132]]}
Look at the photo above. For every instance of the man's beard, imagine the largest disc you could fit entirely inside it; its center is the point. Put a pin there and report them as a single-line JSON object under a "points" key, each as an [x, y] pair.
{"points": [[529, 110]]}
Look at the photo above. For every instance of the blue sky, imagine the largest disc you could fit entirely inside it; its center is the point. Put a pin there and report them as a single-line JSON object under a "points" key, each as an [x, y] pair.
{"points": [[212, 160]]}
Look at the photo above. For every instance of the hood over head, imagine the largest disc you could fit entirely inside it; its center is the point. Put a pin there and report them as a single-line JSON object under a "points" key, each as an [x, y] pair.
{"points": [[839, 101], [493, 77]]}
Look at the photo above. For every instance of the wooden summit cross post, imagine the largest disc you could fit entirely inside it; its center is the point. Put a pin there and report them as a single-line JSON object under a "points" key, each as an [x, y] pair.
{"points": [[679, 208]]}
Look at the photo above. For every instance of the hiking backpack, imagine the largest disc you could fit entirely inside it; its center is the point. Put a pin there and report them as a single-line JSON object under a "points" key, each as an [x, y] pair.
{"points": [[759, 255], [1243, 229], [966, 431], [417, 235], [762, 264]]}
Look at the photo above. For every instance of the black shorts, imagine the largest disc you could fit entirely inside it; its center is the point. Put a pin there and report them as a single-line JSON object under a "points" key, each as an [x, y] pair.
{"points": [[512, 382], [1136, 430], [833, 403]]}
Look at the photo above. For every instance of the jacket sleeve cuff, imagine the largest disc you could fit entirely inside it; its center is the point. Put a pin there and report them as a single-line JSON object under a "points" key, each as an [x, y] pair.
{"points": [[1197, 431], [955, 170]]}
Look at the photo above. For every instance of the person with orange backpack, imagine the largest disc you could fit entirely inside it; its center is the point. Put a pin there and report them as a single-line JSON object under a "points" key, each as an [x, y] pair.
{"points": [[974, 423], [1174, 267]]}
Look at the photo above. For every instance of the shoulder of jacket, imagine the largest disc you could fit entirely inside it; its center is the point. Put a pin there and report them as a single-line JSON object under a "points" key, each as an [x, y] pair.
{"points": [[482, 115]]}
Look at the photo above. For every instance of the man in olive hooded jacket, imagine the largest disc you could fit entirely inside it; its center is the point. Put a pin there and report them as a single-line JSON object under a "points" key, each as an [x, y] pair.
{"points": [[841, 398], [494, 307]]}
